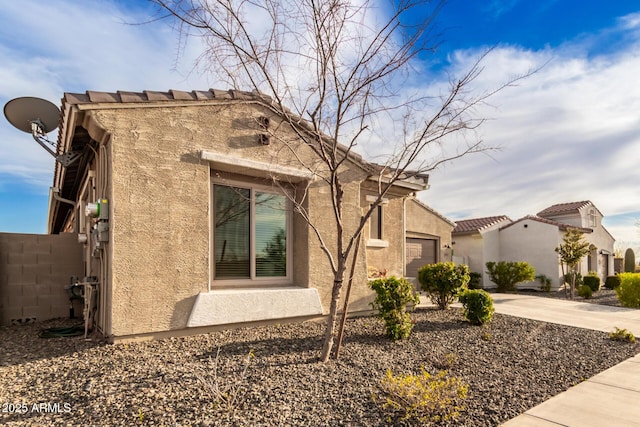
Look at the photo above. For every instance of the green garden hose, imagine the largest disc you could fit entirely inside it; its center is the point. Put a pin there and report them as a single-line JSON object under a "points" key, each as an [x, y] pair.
{"points": [[66, 331]]}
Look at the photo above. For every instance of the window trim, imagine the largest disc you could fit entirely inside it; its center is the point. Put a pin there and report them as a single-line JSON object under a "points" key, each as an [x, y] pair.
{"points": [[593, 219], [253, 280]]}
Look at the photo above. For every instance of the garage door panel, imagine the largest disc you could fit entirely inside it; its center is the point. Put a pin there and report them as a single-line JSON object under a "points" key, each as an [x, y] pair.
{"points": [[419, 252]]}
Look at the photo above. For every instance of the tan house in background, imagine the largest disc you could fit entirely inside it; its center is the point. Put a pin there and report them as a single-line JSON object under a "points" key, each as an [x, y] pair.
{"points": [[182, 202]]}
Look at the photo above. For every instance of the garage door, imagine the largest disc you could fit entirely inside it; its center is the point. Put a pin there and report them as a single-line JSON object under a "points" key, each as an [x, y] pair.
{"points": [[419, 252]]}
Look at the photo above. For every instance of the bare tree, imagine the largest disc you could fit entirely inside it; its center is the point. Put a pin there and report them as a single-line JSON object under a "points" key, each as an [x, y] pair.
{"points": [[336, 71]]}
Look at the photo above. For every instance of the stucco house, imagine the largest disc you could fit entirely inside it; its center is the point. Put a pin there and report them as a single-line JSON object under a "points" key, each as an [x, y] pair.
{"points": [[533, 239], [182, 203]]}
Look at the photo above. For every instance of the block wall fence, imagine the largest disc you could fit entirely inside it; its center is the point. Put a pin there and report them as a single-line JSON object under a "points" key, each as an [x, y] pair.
{"points": [[34, 270]]}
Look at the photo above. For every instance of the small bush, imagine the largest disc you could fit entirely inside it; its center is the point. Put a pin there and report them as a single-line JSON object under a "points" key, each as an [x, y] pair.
{"points": [[585, 292], [545, 282], [443, 282], [593, 281], [629, 290], [474, 280], [228, 395], [478, 306], [445, 362], [622, 335], [392, 297], [506, 274], [612, 282], [578, 283], [421, 398]]}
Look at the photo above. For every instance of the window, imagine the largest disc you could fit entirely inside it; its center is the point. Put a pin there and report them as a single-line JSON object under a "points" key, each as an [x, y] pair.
{"points": [[592, 217], [250, 233], [375, 223]]}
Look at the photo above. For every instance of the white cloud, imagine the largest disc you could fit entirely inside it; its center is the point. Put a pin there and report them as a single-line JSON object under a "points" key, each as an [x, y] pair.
{"points": [[569, 132]]}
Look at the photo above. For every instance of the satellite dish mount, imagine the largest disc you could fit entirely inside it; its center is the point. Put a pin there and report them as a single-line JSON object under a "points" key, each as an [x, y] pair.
{"points": [[38, 117]]}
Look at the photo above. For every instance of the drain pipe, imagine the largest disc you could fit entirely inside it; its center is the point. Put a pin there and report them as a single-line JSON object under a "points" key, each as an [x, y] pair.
{"points": [[55, 193]]}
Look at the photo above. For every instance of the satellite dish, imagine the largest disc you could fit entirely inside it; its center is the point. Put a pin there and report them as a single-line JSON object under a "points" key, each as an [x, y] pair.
{"points": [[23, 112], [38, 117]]}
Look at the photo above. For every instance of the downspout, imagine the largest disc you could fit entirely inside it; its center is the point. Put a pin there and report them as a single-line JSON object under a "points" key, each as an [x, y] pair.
{"points": [[54, 191]]}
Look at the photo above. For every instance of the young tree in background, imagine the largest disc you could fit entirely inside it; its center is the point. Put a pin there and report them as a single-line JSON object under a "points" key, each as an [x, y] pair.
{"points": [[339, 74], [629, 261], [571, 252]]}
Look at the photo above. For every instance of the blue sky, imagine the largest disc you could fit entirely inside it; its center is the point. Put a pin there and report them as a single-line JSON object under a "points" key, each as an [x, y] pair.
{"points": [[570, 132]]}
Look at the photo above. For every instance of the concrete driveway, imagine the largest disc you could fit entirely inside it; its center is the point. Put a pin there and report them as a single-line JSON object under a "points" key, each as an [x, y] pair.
{"points": [[572, 313], [611, 398]]}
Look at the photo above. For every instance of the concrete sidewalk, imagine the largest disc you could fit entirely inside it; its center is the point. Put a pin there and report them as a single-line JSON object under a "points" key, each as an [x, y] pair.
{"points": [[611, 398]]}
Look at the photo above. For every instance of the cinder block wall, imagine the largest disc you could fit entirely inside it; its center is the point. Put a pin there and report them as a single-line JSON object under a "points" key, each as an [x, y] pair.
{"points": [[34, 269]]}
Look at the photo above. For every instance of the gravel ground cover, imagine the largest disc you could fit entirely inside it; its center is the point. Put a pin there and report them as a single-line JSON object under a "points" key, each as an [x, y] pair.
{"points": [[510, 365]]}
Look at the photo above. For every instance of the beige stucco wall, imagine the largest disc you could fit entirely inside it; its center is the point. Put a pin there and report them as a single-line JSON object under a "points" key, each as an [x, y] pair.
{"points": [[387, 258], [420, 221], [160, 199]]}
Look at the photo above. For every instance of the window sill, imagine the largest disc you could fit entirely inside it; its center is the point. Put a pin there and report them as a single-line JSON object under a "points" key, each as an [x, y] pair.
{"points": [[377, 243], [226, 306]]}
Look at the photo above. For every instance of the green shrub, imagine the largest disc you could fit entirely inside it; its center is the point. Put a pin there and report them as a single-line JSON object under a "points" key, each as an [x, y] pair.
{"points": [[579, 281], [585, 292], [629, 290], [592, 280], [392, 297], [478, 306], [421, 398], [474, 280], [443, 282], [545, 282], [622, 335], [612, 282], [506, 274], [629, 261]]}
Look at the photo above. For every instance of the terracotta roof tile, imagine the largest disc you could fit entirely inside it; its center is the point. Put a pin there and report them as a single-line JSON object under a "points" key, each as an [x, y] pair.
{"points": [[131, 96], [103, 96], [155, 96], [182, 95], [563, 208], [467, 226], [159, 96]]}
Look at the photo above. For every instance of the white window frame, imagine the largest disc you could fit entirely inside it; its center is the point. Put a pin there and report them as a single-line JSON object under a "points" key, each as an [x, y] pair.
{"points": [[253, 280], [593, 220]]}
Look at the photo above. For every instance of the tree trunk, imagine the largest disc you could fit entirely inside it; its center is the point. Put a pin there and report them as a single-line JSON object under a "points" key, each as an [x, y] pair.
{"points": [[345, 307], [329, 335]]}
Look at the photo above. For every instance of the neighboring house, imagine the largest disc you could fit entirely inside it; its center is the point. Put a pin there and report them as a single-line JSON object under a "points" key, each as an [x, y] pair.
{"points": [[533, 239], [584, 214], [194, 228], [475, 242]]}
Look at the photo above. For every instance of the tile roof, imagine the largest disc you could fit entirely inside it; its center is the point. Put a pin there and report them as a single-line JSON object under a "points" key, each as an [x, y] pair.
{"points": [[467, 226], [563, 208], [562, 226], [91, 96]]}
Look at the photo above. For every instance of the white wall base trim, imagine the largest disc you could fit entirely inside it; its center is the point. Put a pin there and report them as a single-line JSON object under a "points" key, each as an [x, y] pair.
{"points": [[225, 306]]}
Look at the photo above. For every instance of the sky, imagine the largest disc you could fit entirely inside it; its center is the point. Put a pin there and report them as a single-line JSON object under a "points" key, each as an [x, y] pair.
{"points": [[569, 132]]}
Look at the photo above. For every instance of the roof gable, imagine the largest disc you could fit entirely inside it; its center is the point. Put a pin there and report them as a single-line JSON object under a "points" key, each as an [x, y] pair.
{"points": [[564, 208], [561, 226], [429, 209]]}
